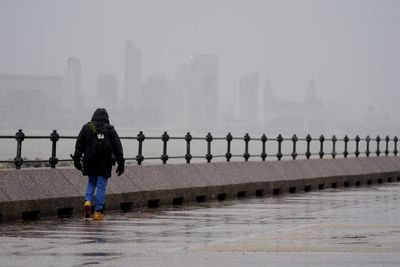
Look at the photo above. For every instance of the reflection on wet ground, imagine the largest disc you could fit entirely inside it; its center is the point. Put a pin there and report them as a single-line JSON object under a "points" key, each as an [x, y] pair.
{"points": [[354, 227]]}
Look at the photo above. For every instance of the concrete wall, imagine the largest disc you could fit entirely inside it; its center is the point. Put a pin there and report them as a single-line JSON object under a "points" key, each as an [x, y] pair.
{"points": [[33, 193]]}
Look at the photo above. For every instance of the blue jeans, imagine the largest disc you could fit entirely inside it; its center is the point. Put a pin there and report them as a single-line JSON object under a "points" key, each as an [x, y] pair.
{"points": [[100, 183]]}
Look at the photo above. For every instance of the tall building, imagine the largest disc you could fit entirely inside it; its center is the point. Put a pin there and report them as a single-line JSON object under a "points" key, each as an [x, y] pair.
{"points": [[183, 87], [158, 101], [267, 104], [205, 98], [312, 97], [107, 89], [133, 75], [314, 109], [197, 83], [268, 94], [248, 99], [72, 84]]}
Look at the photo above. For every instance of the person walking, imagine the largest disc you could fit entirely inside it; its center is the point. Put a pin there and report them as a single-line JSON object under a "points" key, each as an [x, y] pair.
{"points": [[99, 143]]}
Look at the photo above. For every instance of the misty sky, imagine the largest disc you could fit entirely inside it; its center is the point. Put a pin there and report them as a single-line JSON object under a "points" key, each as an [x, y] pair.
{"points": [[350, 48]]}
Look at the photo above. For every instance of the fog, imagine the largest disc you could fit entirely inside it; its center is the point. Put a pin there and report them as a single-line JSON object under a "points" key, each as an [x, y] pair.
{"points": [[300, 66]]}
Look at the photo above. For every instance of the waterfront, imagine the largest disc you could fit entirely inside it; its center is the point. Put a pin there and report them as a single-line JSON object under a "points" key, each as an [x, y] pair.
{"points": [[335, 227]]}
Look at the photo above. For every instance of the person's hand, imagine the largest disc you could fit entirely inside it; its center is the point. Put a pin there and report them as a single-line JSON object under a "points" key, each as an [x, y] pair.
{"points": [[120, 169], [77, 163]]}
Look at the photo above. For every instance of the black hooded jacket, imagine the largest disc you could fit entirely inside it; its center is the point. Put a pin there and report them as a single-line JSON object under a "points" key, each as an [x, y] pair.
{"points": [[98, 162]]}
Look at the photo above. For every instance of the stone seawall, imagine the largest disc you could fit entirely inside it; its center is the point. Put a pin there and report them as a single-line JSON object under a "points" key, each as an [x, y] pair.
{"points": [[33, 193]]}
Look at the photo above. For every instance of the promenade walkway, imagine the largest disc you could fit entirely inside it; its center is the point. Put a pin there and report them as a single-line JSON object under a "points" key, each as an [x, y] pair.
{"points": [[357, 226]]}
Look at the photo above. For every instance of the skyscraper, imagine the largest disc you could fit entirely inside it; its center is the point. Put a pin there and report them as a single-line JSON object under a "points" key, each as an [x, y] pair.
{"points": [[132, 76], [204, 95], [72, 84], [248, 99], [107, 89], [268, 103], [312, 97], [184, 84], [158, 100], [197, 85], [268, 92]]}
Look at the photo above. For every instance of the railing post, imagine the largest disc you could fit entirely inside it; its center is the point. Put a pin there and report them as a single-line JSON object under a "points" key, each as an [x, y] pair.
{"points": [[188, 156], [387, 139], [228, 154], [279, 139], [395, 145], [357, 152], [264, 141], [246, 154], [346, 141], [308, 140], [294, 140], [19, 136], [334, 140], [378, 140], [367, 139], [54, 137], [209, 139], [164, 156], [321, 150], [139, 158]]}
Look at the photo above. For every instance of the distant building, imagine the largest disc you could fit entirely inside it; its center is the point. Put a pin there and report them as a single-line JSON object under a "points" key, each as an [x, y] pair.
{"points": [[107, 89], [304, 116], [157, 100], [205, 95], [72, 85], [267, 93], [183, 87], [373, 115], [30, 100], [197, 85], [312, 98], [132, 76], [248, 99]]}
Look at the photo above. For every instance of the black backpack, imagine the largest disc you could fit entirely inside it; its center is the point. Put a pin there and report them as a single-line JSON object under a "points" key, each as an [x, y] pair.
{"points": [[101, 144]]}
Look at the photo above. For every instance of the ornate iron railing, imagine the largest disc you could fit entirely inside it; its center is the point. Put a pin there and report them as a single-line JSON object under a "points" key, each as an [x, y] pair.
{"points": [[54, 137]]}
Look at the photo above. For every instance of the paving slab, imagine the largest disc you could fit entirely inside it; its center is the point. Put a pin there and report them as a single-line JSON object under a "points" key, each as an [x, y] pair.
{"points": [[18, 185]]}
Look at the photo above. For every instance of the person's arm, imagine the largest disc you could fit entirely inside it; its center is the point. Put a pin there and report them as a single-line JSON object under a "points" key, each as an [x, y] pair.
{"points": [[118, 151], [80, 144]]}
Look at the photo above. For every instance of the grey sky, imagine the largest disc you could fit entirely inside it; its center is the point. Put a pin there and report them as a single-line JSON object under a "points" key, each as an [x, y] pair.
{"points": [[350, 48]]}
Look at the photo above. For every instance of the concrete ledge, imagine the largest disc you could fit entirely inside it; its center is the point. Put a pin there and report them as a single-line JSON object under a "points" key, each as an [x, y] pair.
{"points": [[34, 193]]}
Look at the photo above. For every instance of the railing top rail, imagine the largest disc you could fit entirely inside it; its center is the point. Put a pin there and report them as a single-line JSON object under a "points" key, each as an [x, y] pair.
{"points": [[252, 137]]}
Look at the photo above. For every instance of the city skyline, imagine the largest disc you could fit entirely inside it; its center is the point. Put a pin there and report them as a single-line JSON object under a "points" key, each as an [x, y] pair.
{"points": [[348, 48], [257, 107]]}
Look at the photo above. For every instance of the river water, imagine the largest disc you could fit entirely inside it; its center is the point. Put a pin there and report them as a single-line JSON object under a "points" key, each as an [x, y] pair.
{"points": [[336, 227]]}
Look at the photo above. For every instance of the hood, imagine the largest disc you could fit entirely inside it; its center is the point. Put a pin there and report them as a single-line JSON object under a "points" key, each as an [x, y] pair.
{"points": [[100, 115]]}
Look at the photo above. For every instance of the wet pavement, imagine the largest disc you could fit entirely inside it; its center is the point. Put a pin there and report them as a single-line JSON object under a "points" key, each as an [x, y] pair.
{"points": [[344, 227]]}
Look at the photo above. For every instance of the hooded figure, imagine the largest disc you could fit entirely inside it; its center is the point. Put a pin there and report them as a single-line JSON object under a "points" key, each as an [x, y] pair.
{"points": [[98, 142]]}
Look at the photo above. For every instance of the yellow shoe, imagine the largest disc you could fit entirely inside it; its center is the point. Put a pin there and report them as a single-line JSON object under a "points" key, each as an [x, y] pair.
{"points": [[86, 209], [98, 216]]}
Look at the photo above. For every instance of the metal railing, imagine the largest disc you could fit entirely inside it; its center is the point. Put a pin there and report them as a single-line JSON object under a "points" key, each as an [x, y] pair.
{"points": [[54, 137]]}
